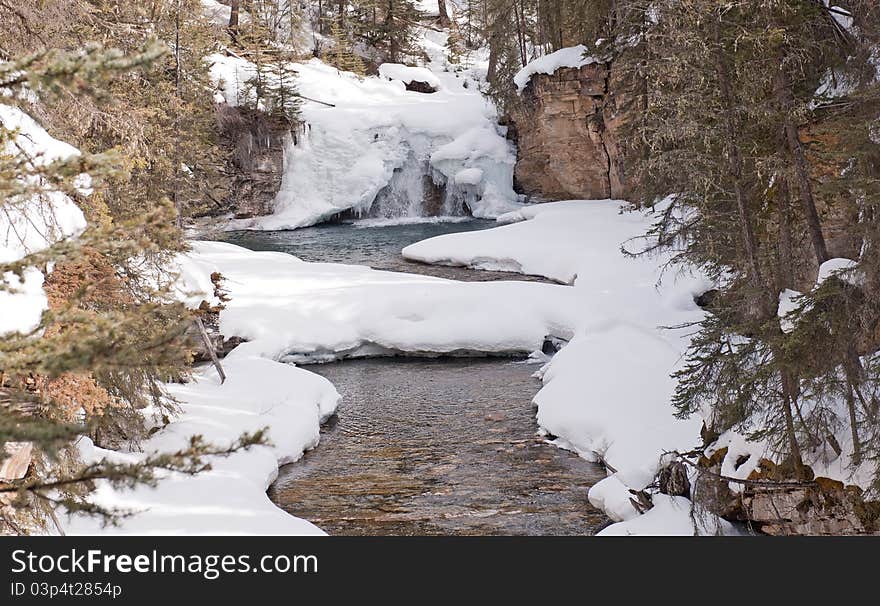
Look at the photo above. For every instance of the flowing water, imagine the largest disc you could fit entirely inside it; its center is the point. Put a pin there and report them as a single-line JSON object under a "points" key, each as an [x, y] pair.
{"points": [[378, 246], [428, 446]]}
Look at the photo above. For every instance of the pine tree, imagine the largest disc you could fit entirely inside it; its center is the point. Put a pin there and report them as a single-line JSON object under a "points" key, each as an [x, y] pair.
{"points": [[112, 334], [388, 26], [727, 92]]}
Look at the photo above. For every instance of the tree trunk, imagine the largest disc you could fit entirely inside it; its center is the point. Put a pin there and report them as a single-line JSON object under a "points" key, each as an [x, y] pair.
{"points": [[444, 15], [734, 161], [796, 150], [233, 18], [788, 397], [393, 44], [493, 60], [210, 348], [786, 266]]}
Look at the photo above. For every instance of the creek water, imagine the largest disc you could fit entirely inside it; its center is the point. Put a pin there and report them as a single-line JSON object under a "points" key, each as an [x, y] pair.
{"points": [[428, 446]]}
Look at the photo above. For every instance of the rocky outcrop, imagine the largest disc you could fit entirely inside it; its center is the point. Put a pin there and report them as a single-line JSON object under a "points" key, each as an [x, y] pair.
{"points": [[567, 132], [771, 501], [256, 142], [16, 460], [826, 507]]}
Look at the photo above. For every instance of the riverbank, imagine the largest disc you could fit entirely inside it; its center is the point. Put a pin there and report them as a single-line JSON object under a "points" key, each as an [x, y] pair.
{"points": [[605, 394], [291, 310]]}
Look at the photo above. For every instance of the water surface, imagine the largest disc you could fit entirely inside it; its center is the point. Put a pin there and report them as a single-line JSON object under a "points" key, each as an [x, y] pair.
{"points": [[377, 246], [427, 446], [438, 447]]}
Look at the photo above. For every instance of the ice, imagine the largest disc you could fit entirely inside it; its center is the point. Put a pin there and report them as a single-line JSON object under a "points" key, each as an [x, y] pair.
{"points": [[469, 176], [372, 148]]}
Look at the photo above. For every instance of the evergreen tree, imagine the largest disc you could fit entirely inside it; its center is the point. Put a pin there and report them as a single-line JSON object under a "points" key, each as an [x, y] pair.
{"points": [[109, 336], [728, 90], [387, 26]]}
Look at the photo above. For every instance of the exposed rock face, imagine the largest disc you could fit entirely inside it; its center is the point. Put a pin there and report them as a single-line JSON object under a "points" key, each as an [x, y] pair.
{"points": [[771, 502], [257, 144], [825, 508], [567, 135], [16, 460]]}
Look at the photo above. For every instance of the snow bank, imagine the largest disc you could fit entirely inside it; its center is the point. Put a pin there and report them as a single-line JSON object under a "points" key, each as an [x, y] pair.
{"points": [[231, 497], [29, 225], [373, 152], [671, 516], [573, 56], [293, 310], [408, 75]]}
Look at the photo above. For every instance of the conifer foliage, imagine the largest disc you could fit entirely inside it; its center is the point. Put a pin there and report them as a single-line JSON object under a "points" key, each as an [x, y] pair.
{"points": [[113, 332]]}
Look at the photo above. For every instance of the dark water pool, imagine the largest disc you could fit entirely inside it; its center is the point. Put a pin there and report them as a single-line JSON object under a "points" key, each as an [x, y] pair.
{"points": [[378, 246]]}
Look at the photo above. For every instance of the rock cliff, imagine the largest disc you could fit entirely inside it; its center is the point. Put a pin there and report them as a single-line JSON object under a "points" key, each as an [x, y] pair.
{"points": [[567, 132]]}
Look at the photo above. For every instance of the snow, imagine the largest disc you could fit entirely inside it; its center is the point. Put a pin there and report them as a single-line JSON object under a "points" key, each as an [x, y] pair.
{"points": [[293, 310], [572, 56], [671, 516], [841, 268], [29, 225], [788, 303], [408, 75], [372, 150], [231, 497], [296, 311], [193, 284], [23, 303], [607, 393], [428, 7], [215, 12], [614, 498]]}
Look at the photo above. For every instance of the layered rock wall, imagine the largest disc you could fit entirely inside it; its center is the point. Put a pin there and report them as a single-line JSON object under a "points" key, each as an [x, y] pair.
{"points": [[567, 133]]}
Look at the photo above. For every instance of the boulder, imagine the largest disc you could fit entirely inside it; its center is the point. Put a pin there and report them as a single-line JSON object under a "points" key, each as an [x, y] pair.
{"points": [[17, 460]]}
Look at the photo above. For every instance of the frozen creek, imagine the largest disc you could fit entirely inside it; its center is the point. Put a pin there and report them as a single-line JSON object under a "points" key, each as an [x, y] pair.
{"points": [[428, 446]]}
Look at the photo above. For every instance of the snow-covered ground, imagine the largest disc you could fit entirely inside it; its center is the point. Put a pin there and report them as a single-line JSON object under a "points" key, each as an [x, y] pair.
{"points": [[372, 149], [231, 497], [31, 223], [293, 310]]}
